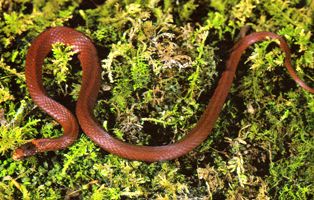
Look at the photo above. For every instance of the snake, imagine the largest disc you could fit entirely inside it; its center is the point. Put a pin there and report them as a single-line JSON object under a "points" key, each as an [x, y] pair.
{"points": [[91, 81]]}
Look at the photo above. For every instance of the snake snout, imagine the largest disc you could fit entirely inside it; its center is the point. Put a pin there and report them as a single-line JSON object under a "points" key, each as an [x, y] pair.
{"points": [[25, 150]]}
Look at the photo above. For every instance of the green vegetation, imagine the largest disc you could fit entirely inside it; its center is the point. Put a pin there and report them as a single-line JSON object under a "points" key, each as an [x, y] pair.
{"points": [[161, 61]]}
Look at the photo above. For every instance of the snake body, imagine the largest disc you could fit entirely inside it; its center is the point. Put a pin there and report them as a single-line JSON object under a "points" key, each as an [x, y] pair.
{"points": [[89, 60]]}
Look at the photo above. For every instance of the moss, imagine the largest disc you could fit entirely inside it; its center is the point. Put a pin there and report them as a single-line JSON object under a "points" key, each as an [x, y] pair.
{"points": [[161, 61]]}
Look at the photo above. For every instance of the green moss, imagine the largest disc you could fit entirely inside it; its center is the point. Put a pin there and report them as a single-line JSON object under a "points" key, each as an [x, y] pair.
{"points": [[161, 61]]}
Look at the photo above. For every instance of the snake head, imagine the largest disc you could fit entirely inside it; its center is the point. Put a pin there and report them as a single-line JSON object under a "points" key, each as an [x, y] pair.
{"points": [[25, 150]]}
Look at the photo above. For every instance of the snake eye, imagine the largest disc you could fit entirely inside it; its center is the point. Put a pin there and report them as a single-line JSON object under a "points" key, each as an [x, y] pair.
{"points": [[25, 150]]}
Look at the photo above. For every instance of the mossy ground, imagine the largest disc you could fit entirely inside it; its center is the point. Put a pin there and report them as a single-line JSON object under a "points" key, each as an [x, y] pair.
{"points": [[161, 61]]}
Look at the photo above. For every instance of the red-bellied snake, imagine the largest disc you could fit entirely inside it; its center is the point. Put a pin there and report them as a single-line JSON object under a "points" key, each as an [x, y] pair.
{"points": [[91, 79]]}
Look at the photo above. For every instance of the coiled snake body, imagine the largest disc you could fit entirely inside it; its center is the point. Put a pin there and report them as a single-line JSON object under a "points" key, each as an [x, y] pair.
{"points": [[87, 55]]}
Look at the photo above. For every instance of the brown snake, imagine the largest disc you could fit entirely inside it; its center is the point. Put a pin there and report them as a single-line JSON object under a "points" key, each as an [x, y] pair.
{"points": [[87, 55]]}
